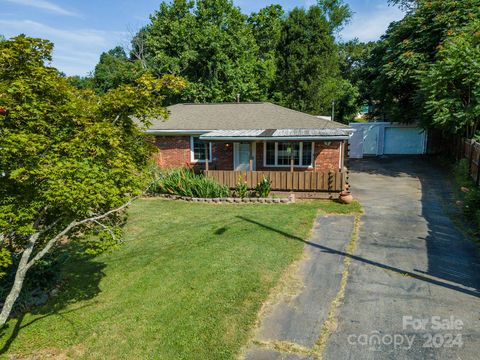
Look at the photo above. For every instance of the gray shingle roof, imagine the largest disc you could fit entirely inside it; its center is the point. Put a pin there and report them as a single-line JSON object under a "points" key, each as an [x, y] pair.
{"points": [[237, 116]]}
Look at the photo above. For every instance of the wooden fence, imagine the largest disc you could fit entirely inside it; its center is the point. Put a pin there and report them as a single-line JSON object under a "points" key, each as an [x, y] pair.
{"points": [[284, 180], [471, 152]]}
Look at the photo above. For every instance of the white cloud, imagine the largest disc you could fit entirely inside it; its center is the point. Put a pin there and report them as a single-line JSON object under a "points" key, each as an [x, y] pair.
{"points": [[45, 5], [76, 51], [370, 26]]}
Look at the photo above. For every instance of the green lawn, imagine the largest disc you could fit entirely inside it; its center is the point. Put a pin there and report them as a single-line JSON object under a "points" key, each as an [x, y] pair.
{"points": [[187, 284]]}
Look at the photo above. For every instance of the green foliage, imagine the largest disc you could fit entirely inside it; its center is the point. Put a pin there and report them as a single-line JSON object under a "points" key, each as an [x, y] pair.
{"points": [[43, 277], [263, 188], [451, 84], [354, 67], [66, 153], [267, 56], [267, 27], [80, 82], [241, 190], [104, 240], [5, 260], [308, 75], [471, 198], [210, 44], [336, 12], [185, 182], [114, 69], [408, 48]]}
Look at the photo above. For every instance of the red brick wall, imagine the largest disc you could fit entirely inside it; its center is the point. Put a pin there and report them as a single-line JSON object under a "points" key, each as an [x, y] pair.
{"points": [[222, 154], [325, 157], [174, 151]]}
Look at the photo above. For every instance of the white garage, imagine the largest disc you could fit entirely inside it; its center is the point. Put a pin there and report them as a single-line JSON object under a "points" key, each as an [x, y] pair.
{"points": [[385, 138]]}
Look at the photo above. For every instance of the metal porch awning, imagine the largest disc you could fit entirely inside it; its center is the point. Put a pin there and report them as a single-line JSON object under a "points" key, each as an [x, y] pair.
{"points": [[278, 134]]}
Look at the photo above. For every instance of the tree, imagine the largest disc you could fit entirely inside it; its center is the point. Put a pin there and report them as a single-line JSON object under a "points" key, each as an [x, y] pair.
{"points": [[209, 43], [71, 160], [308, 76], [355, 67], [451, 84], [267, 29], [411, 45], [336, 12], [81, 82], [114, 69]]}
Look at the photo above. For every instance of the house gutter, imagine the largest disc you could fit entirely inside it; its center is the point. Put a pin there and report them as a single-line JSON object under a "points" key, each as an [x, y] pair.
{"points": [[277, 138], [176, 132]]}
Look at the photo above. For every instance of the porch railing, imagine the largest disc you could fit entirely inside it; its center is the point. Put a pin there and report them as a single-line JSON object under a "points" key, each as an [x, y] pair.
{"points": [[333, 181]]}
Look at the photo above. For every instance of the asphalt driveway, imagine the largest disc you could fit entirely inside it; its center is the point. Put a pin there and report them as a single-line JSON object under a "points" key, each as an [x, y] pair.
{"points": [[409, 290], [414, 285]]}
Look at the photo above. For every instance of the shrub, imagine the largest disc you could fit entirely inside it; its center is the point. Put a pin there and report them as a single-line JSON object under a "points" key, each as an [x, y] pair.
{"points": [[185, 182], [472, 196], [263, 188], [241, 190]]}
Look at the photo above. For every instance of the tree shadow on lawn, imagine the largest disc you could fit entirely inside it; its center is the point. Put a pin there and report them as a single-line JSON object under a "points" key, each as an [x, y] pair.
{"points": [[79, 281]]}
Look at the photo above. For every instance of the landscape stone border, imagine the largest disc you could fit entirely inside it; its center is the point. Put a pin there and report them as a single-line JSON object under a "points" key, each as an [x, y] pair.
{"points": [[231, 200]]}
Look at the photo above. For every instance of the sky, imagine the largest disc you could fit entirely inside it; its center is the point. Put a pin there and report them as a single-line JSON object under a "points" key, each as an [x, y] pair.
{"points": [[82, 29]]}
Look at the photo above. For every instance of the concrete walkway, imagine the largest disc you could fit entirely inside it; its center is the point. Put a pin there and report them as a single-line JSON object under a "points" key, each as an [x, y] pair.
{"points": [[413, 283], [292, 325]]}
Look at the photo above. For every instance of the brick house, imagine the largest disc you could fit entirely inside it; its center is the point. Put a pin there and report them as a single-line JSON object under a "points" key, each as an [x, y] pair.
{"points": [[248, 137]]}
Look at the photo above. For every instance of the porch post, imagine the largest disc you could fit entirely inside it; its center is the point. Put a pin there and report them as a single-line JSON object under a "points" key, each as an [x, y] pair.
{"points": [[207, 150], [250, 163]]}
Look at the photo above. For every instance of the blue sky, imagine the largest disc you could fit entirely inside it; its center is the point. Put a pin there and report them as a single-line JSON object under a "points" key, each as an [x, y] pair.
{"points": [[83, 29]]}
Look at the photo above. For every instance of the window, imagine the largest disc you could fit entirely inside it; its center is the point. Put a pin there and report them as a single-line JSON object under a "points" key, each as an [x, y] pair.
{"points": [[307, 155], [270, 154], [286, 151], [280, 153], [197, 148]]}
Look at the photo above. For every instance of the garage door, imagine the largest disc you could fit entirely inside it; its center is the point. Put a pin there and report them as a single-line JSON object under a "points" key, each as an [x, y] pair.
{"points": [[407, 141]]}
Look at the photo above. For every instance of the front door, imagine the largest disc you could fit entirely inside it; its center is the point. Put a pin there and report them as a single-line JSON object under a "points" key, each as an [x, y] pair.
{"points": [[242, 153]]}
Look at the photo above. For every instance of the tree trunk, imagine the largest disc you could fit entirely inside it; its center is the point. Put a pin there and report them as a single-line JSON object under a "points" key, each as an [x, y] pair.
{"points": [[19, 278]]}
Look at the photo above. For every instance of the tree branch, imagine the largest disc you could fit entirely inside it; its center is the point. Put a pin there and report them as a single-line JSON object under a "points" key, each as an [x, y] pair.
{"points": [[76, 223], [112, 234]]}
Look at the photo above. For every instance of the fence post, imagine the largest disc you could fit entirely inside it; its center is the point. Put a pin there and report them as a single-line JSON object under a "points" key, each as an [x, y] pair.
{"points": [[470, 158], [478, 164]]}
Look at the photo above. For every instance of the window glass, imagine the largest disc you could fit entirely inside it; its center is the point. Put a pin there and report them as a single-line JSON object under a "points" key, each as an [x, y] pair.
{"points": [[199, 149], [285, 152], [307, 154], [270, 157]]}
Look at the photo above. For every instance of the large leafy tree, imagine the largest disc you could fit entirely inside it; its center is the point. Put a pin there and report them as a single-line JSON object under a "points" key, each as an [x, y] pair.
{"points": [[308, 77], [410, 46], [70, 159], [267, 27], [353, 57], [114, 69], [210, 44], [451, 84]]}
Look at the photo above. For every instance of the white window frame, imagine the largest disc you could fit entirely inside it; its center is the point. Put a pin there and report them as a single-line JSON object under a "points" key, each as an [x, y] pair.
{"points": [[192, 152], [300, 154]]}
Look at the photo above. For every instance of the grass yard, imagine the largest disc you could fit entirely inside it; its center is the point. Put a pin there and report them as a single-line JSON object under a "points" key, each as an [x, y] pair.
{"points": [[187, 284]]}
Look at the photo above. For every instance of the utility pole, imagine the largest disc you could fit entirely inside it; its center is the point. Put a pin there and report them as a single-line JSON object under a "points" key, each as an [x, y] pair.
{"points": [[333, 110]]}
